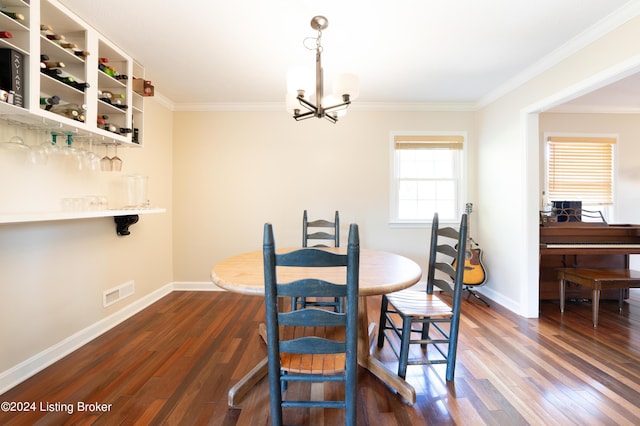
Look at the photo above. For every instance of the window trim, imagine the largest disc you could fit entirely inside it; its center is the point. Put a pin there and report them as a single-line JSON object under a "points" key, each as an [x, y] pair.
{"points": [[408, 137]]}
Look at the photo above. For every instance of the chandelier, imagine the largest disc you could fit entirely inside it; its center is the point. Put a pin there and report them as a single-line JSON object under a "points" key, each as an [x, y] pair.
{"points": [[300, 87]]}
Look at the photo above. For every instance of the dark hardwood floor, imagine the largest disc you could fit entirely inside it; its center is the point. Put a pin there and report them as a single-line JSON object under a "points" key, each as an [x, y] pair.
{"points": [[174, 362]]}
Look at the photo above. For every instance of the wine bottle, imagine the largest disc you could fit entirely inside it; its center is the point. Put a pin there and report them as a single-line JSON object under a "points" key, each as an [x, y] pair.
{"points": [[5, 34], [79, 85], [52, 64], [14, 15], [55, 36], [117, 99], [50, 101], [45, 27], [125, 130], [73, 111], [81, 53], [105, 96], [68, 45]]}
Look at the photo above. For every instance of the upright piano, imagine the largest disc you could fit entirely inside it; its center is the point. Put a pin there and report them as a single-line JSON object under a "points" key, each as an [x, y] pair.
{"points": [[583, 245]]}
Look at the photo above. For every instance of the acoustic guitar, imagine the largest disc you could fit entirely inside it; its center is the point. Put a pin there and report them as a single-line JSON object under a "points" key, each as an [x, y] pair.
{"points": [[474, 270]]}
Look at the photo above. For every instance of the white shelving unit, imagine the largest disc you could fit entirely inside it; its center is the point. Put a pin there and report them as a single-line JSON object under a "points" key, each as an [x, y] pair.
{"points": [[32, 37], [36, 32]]}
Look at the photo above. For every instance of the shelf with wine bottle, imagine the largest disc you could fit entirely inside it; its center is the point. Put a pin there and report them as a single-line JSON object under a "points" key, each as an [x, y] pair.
{"points": [[14, 24], [67, 58]]}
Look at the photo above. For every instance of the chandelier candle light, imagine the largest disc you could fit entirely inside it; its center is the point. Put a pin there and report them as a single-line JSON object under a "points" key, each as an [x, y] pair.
{"points": [[300, 88]]}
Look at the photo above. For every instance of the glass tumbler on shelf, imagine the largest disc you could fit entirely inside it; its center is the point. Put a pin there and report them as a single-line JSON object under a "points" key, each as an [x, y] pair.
{"points": [[137, 191]]}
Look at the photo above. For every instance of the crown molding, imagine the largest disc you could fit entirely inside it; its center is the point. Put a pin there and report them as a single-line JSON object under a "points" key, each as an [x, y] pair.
{"points": [[598, 30], [356, 106]]}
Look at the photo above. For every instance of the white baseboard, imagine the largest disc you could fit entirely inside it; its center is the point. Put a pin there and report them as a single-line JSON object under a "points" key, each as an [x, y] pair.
{"points": [[22, 371]]}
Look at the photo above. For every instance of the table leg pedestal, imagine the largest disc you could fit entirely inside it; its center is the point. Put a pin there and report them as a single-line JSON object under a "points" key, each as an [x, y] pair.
{"points": [[240, 389], [373, 365]]}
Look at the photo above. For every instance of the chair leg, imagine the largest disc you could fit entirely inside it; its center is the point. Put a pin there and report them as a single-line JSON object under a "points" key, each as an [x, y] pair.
{"points": [[404, 347], [425, 334], [382, 324], [453, 348]]}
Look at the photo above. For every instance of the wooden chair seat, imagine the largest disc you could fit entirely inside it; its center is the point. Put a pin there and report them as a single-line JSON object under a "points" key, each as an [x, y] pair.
{"points": [[313, 363], [417, 303]]}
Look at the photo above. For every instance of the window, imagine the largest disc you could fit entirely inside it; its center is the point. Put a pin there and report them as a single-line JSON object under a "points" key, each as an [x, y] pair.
{"points": [[427, 177], [581, 169]]}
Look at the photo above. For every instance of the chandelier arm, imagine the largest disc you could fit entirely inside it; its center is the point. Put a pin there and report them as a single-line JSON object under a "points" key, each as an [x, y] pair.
{"points": [[300, 117], [331, 118], [305, 103], [347, 103]]}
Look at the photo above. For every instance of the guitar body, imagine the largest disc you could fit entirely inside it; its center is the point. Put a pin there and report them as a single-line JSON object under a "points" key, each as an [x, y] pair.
{"points": [[474, 271]]}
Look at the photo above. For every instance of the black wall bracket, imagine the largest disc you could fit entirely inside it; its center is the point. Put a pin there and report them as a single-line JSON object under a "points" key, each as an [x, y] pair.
{"points": [[124, 222]]}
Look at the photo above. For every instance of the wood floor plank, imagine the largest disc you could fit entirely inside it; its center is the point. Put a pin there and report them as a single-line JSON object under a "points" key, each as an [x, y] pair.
{"points": [[174, 362]]}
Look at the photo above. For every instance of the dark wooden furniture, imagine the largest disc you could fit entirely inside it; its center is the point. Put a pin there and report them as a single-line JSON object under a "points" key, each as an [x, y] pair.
{"points": [[583, 245], [425, 319], [598, 280], [312, 344]]}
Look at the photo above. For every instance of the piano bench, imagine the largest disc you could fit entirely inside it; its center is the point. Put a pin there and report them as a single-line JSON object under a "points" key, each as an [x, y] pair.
{"points": [[598, 279]]}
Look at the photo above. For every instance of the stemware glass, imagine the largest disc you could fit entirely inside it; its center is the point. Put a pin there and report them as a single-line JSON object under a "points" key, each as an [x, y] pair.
{"points": [[16, 149], [105, 162], [116, 162], [91, 159], [39, 152], [74, 155]]}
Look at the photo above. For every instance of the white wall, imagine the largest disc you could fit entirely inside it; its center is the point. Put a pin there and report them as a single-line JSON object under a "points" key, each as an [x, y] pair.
{"points": [[234, 171], [53, 274]]}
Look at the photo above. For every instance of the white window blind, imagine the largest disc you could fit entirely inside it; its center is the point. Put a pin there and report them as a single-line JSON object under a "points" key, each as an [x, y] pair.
{"points": [[580, 168]]}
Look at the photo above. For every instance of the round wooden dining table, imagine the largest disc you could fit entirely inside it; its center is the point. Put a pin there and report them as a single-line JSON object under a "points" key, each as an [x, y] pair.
{"points": [[380, 273]]}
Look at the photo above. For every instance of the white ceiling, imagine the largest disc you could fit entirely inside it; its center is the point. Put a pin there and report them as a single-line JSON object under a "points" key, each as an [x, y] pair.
{"points": [[227, 53]]}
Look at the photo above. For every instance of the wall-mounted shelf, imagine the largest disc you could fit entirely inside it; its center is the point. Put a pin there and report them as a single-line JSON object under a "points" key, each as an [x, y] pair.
{"points": [[7, 218]]}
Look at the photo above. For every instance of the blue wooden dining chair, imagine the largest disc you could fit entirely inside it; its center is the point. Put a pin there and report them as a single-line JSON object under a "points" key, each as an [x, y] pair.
{"points": [[312, 344], [412, 312], [318, 233]]}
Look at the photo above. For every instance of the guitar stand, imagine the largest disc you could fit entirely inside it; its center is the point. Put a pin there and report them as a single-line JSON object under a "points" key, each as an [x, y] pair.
{"points": [[476, 295]]}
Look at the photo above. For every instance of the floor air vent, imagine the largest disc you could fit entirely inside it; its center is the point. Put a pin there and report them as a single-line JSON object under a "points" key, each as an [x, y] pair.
{"points": [[113, 295]]}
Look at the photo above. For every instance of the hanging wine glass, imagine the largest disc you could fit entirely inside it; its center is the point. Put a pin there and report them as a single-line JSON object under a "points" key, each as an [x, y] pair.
{"points": [[116, 162], [91, 158], [15, 149], [105, 162], [39, 154], [74, 155]]}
